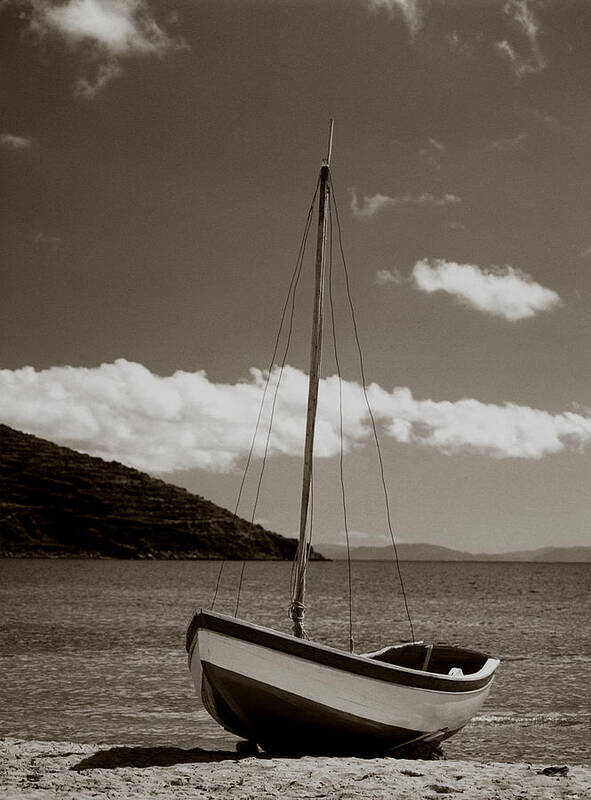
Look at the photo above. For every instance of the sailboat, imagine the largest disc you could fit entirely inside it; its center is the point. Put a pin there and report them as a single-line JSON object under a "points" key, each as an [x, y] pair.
{"points": [[289, 695]]}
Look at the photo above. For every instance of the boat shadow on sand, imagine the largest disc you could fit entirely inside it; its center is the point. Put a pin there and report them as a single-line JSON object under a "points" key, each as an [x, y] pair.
{"points": [[142, 757]]}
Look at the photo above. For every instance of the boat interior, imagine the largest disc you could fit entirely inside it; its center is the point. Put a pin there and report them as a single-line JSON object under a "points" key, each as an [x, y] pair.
{"points": [[439, 659]]}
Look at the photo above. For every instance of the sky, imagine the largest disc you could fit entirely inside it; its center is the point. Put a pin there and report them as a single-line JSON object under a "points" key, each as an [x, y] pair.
{"points": [[158, 161]]}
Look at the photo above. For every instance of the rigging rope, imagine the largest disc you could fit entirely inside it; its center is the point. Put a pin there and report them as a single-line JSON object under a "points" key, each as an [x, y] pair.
{"points": [[341, 452], [294, 279], [291, 293], [370, 412]]}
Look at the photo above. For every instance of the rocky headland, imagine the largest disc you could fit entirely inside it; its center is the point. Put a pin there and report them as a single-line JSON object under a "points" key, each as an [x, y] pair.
{"points": [[56, 502]]}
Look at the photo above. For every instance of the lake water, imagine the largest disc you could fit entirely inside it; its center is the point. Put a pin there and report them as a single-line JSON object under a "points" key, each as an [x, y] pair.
{"points": [[93, 651]]}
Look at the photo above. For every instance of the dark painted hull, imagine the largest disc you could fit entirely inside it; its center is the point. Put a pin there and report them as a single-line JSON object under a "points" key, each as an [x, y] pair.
{"points": [[281, 722]]}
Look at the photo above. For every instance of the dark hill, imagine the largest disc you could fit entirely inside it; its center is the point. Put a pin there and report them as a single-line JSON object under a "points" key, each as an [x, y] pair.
{"points": [[55, 502]]}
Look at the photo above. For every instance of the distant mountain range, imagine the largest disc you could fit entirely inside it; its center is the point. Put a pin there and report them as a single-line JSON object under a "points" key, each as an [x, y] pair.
{"points": [[55, 502], [432, 552]]}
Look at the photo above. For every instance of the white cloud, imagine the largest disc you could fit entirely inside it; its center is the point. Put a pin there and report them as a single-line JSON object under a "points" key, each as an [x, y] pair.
{"points": [[431, 153], [12, 142], [470, 426], [371, 204], [457, 44], [122, 411], [507, 293], [105, 74], [385, 276], [119, 27], [521, 13], [105, 30], [410, 10]]}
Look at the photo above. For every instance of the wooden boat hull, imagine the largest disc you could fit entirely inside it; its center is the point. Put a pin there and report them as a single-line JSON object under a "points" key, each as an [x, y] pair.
{"points": [[293, 696]]}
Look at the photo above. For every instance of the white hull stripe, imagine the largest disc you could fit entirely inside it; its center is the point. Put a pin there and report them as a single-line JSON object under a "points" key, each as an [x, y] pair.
{"points": [[357, 695], [329, 656]]}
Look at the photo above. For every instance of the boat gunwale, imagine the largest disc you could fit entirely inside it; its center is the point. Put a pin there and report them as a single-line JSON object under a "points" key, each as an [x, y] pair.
{"points": [[423, 679]]}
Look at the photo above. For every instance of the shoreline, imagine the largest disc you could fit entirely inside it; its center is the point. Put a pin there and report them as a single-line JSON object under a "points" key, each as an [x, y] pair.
{"points": [[154, 555], [33, 769]]}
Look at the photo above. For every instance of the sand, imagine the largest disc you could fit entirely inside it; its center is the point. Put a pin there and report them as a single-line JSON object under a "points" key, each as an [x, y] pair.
{"points": [[35, 770]]}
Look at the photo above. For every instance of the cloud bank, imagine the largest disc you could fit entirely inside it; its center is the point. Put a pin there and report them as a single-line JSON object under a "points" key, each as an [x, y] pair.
{"points": [[507, 293], [122, 411], [372, 204], [107, 31]]}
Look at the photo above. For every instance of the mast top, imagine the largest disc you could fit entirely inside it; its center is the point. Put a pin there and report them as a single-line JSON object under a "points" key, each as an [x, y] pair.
{"points": [[326, 161]]}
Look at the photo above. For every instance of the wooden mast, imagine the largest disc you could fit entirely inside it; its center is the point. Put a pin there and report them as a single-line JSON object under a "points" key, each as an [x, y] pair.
{"points": [[302, 555]]}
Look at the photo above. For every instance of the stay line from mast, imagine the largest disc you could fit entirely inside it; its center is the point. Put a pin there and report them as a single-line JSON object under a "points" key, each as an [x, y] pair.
{"points": [[341, 437], [372, 418], [291, 293]]}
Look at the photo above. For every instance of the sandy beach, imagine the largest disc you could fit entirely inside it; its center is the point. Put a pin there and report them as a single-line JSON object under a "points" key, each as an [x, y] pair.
{"points": [[30, 770]]}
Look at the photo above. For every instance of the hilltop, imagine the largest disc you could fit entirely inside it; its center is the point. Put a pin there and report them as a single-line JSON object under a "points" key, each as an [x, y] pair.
{"points": [[56, 502]]}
